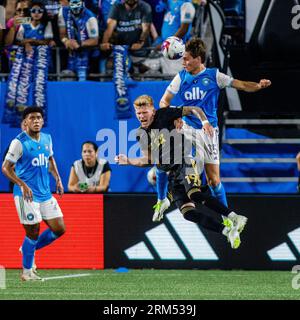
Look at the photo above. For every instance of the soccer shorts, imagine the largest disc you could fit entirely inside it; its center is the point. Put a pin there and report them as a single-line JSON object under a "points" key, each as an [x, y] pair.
{"points": [[35, 212], [207, 148], [183, 178]]}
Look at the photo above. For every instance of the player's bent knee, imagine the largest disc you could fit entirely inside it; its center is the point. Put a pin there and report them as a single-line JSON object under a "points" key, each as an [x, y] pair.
{"points": [[59, 232], [32, 235], [186, 205], [196, 195], [32, 231], [185, 209], [214, 181]]}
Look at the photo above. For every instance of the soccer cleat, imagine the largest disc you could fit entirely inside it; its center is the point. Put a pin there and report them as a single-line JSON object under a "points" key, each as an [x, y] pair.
{"points": [[34, 267], [234, 238], [30, 276], [228, 224], [239, 221], [159, 208]]}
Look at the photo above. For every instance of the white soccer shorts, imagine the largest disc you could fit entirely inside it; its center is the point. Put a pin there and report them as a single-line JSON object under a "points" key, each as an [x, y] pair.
{"points": [[35, 212], [207, 147]]}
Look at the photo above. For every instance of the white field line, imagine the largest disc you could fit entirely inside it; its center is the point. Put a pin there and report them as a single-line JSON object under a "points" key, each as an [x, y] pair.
{"points": [[67, 276]]}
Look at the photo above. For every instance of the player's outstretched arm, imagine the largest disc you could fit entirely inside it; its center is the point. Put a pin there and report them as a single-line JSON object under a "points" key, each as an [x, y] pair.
{"points": [[122, 159], [9, 172], [54, 171], [166, 99], [198, 112], [249, 86]]}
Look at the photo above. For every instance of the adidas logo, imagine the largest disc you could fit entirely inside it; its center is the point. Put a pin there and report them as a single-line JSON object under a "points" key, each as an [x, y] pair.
{"points": [[166, 246], [283, 252]]}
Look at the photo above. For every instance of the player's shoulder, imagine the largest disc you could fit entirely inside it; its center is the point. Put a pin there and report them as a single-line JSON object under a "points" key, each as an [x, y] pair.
{"points": [[45, 138], [212, 71], [46, 135], [22, 137], [182, 74]]}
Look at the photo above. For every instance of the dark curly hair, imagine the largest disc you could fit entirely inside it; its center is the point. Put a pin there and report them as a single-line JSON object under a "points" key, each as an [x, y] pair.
{"points": [[196, 47]]}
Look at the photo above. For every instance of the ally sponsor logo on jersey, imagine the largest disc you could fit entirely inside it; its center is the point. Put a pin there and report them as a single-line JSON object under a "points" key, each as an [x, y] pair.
{"points": [[41, 160], [195, 94]]}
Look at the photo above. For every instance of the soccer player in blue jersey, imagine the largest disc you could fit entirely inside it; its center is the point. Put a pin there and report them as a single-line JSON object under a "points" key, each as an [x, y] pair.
{"points": [[200, 86], [27, 164]]}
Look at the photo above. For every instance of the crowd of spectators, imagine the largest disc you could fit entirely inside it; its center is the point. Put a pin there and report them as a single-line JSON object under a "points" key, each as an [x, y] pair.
{"points": [[86, 31]]}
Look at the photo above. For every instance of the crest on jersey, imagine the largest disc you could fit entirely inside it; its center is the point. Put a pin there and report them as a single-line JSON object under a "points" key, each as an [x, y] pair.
{"points": [[30, 216], [205, 81]]}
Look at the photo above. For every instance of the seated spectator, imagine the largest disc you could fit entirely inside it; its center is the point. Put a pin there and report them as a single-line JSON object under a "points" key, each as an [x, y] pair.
{"points": [[39, 31], [78, 31], [130, 22], [89, 174]]}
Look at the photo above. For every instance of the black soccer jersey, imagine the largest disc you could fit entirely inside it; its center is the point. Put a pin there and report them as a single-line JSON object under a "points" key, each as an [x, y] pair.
{"points": [[166, 145]]}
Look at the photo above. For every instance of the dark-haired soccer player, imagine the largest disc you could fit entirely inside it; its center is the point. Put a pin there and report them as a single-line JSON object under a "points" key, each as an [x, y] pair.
{"points": [[200, 86], [27, 164], [164, 146]]}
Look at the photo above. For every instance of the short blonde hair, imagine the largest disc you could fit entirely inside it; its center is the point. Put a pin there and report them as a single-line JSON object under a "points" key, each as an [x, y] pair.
{"points": [[143, 101]]}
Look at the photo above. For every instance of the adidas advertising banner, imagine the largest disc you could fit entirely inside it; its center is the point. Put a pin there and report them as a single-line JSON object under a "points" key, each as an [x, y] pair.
{"points": [[271, 239]]}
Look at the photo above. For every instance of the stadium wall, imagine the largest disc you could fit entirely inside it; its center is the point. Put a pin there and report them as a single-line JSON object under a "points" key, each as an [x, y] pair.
{"points": [[80, 111], [270, 241], [81, 247], [116, 230]]}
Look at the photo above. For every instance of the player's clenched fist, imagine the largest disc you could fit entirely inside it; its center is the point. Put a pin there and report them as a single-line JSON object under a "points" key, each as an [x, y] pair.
{"points": [[121, 159], [264, 83]]}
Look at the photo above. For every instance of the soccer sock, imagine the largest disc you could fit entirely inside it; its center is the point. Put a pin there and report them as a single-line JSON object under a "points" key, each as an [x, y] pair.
{"points": [[203, 220], [161, 184], [28, 249], [210, 202], [219, 192], [45, 238]]}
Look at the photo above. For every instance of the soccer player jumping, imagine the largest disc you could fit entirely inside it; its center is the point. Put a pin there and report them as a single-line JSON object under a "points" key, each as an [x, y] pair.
{"points": [[200, 86], [27, 164], [163, 145]]}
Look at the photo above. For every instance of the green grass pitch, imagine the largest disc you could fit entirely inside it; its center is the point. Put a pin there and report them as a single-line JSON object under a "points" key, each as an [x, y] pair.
{"points": [[153, 285]]}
